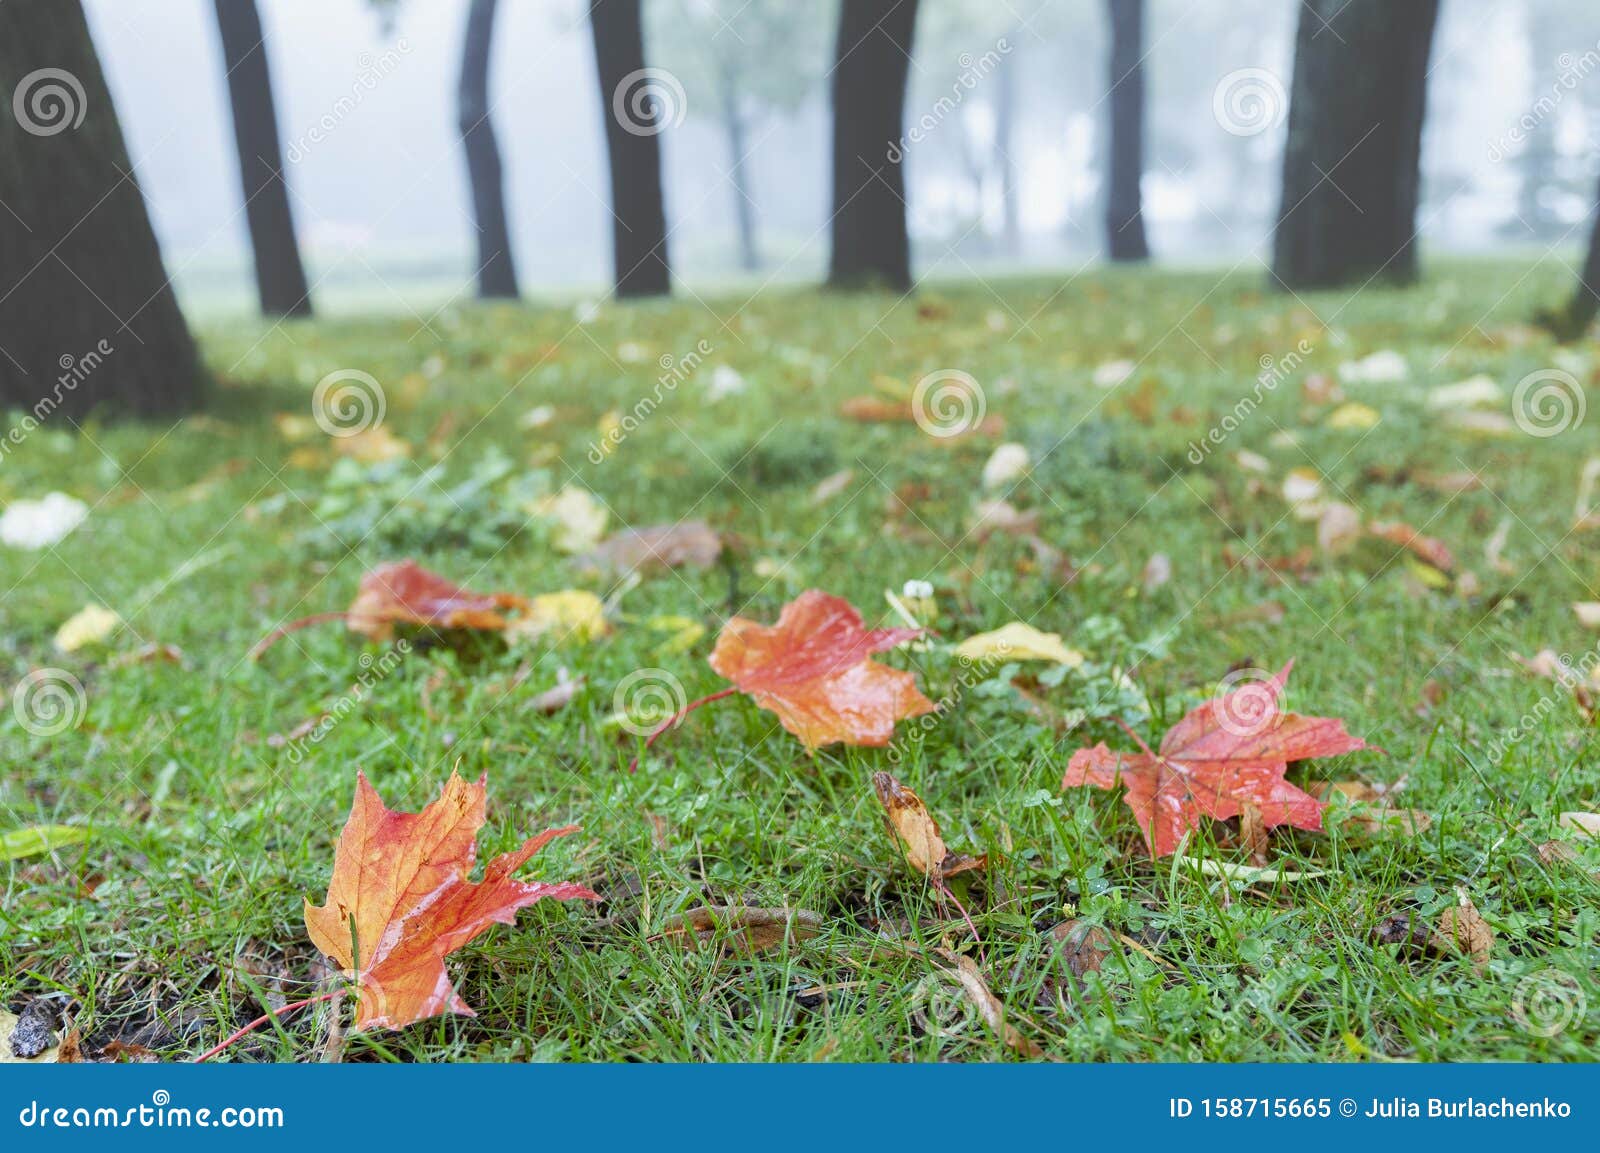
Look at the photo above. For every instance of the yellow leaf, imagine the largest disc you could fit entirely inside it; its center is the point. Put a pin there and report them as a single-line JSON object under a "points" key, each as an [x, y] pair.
{"points": [[372, 446], [1353, 416], [571, 614], [1019, 642], [90, 625], [686, 632], [580, 520]]}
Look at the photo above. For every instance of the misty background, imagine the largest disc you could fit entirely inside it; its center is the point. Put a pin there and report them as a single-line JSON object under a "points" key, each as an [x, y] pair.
{"points": [[366, 105]]}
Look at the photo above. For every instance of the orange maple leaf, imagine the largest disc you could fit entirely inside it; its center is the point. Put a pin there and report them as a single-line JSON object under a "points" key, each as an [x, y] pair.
{"points": [[1230, 750], [399, 901], [403, 592], [813, 669]]}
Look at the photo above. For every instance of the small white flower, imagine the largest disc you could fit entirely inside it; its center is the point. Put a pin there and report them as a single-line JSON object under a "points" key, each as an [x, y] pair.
{"points": [[1007, 463], [916, 590], [1384, 367], [1113, 372], [725, 382]]}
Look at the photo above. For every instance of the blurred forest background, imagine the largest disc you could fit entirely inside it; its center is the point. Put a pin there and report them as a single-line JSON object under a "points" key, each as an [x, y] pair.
{"points": [[1012, 178]]}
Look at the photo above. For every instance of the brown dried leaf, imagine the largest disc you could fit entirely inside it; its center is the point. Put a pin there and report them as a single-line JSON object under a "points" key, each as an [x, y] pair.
{"points": [[1462, 929], [691, 543], [989, 1007], [918, 833], [742, 928]]}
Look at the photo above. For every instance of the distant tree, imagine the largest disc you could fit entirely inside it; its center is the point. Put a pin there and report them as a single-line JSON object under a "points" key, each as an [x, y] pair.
{"points": [[754, 58], [497, 273], [1351, 161], [280, 277], [1573, 321], [87, 314], [1125, 239], [871, 59], [632, 101]]}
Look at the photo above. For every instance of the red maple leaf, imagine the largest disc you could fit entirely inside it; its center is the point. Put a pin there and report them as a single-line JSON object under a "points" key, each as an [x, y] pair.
{"points": [[813, 669], [403, 592], [1231, 750]]}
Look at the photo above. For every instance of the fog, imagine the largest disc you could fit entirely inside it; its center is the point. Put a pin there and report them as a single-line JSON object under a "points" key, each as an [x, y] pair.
{"points": [[367, 113]]}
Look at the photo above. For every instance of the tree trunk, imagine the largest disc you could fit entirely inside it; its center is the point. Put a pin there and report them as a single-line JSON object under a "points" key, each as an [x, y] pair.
{"points": [[1573, 321], [733, 125], [633, 101], [280, 278], [87, 315], [1005, 118], [1351, 165], [1125, 240], [497, 272], [872, 58]]}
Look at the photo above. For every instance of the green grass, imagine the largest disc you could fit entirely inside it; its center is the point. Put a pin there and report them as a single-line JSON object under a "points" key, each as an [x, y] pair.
{"points": [[181, 916]]}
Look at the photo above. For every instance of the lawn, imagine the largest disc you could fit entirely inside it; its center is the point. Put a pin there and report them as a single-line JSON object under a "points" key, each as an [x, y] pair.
{"points": [[212, 816]]}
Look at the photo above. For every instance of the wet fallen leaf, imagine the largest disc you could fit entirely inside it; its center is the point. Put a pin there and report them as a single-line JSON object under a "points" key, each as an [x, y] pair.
{"points": [[1018, 642], [1426, 548], [989, 1007], [1338, 528], [918, 833], [1463, 930], [90, 625], [399, 901], [1254, 836], [1586, 823], [579, 520], [691, 543], [1368, 809], [1249, 874], [813, 669], [403, 592], [33, 840], [1226, 751], [741, 928], [1083, 947], [569, 615]]}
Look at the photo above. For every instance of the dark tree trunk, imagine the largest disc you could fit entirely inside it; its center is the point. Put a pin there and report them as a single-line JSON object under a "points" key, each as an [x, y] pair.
{"points": [[1125, 239], [1005, 119], [497, 273], [871, 60], [633, 107], [733, 125], [87, 315], [1351, 165], [280, 277], [1573, 321]]}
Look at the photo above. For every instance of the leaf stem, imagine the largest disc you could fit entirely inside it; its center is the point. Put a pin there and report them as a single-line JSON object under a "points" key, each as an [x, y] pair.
{"points": [[282, 631], [675, 718], [264, 1018], [1137, 739]]}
